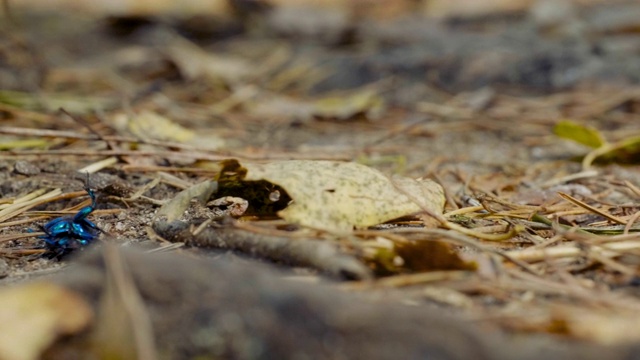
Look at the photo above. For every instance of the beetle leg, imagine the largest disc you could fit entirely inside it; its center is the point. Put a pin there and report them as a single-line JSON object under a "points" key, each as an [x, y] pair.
{"points": [[83, 213]]}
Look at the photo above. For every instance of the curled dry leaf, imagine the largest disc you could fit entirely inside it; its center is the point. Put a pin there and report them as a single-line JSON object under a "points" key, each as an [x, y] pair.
{"points": [[343, 105], [338, 196], [229, 205], [175, 208], [195, 62], [150, 125], [430, 256], [33, 316]]}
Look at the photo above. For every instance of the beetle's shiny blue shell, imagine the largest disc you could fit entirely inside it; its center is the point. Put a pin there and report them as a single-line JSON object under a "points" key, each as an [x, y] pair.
{"points": [[67, 233]]}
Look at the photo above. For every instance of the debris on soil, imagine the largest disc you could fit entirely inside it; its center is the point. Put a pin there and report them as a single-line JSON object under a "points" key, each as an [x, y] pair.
{"points": [[256, 313], [416, 149]]}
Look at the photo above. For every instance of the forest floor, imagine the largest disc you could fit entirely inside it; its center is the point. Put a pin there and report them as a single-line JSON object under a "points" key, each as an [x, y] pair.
{"points": [[530, 122]]}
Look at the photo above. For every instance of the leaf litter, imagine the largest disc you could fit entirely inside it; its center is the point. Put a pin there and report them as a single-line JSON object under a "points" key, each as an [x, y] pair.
{"points": [[524, 229]]}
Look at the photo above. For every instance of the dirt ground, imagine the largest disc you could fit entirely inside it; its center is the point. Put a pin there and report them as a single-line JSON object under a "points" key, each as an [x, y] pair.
{"points": [[149, 105]]}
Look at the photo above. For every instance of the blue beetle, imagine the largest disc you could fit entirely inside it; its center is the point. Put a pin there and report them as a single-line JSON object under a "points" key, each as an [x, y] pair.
{"points": [[68, 233]]}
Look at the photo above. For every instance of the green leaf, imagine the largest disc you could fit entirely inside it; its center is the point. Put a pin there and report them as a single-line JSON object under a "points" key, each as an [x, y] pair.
{"points": [[585, 135]]}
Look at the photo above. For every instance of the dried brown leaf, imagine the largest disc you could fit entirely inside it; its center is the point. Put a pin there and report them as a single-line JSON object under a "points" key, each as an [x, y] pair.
{"points": [[33, 316]]}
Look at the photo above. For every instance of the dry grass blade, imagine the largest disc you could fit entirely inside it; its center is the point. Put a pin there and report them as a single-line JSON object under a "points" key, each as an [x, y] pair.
{"points": [[173, 180], [25, 114], [565, 179], [177, 155], [99, 165], [591, 208], [609, 262], [166, 248], [633, 188], [453, 226], [46, 133], [609, 249], [464, 210], [19, 236], [191, 155], [595, 297], [21, 222], [30, 196], [150, 185], [124, 329], [410, 280], [72, 211], [152, 168], [632, 220], [513, 231], [81, 136], [19, 208]]}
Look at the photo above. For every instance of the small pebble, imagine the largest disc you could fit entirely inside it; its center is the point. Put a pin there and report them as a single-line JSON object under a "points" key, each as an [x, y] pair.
{"points": [[4, 269], [25, 168]]}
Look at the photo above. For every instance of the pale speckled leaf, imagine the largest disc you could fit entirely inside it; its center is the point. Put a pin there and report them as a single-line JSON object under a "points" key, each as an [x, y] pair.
{"points": [[338, 196]]}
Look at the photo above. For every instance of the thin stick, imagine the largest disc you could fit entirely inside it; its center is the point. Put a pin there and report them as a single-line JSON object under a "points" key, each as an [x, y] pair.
{"points": [[80, 120], [591, 208], [453, 226], [533, 255], [633, 188], [632, 220], [572, 177], [409, 280], [607, 261], [20, 236], [193, 155], [10, 130], [312, 252], [99, 165], [464, 210], [173, 180], [23, 221], [151, 168], [32, 195], [192, 152], [121, 152], [123, 309]]}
